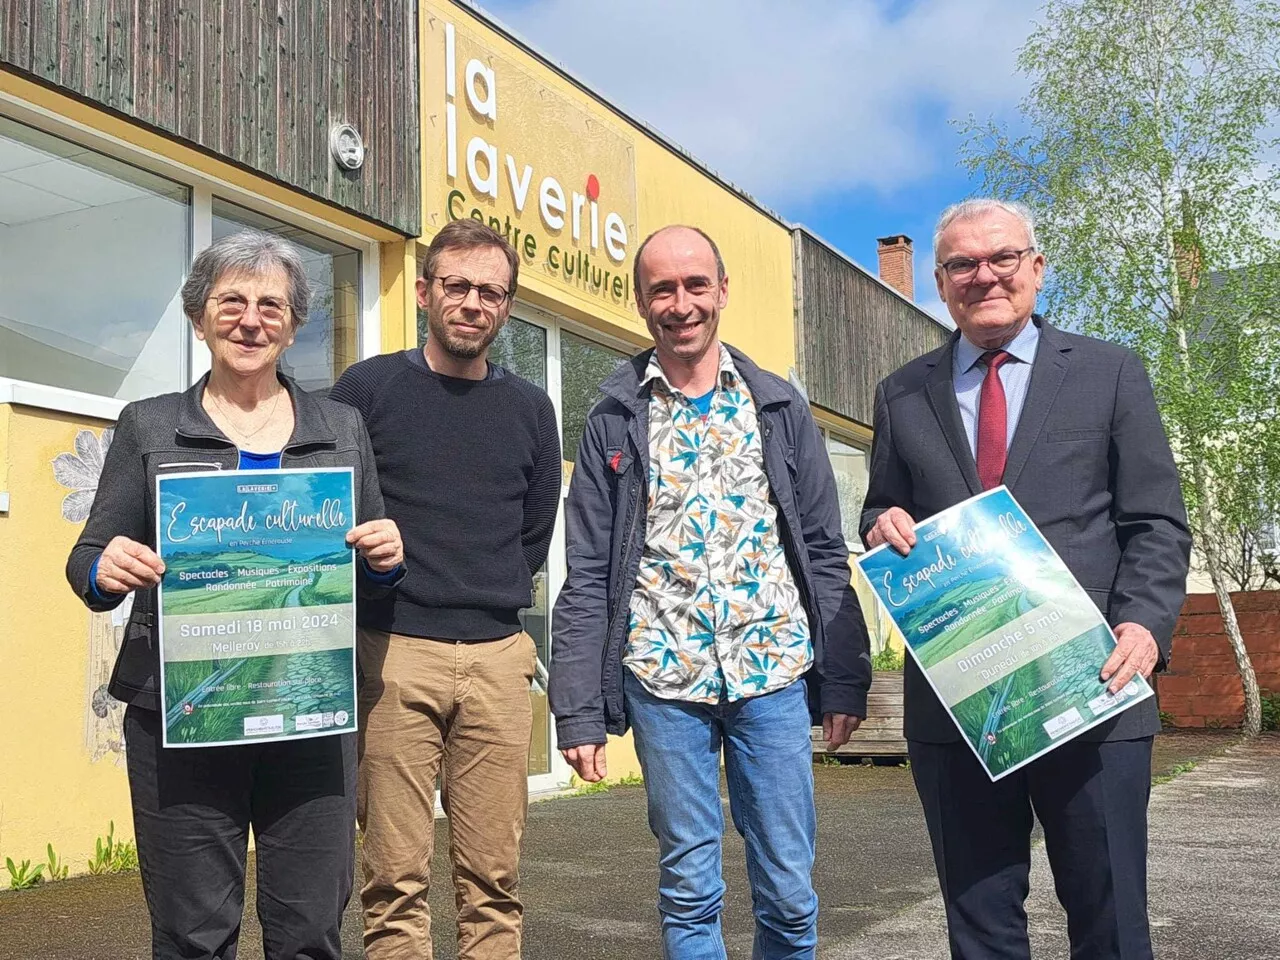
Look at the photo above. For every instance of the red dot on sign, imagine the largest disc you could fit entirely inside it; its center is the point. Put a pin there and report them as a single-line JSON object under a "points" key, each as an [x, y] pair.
{"points": [[593, 188]]}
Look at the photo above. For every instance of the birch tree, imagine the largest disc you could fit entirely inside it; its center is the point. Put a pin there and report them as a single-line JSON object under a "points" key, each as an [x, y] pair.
{"points": [[1148, 146]]}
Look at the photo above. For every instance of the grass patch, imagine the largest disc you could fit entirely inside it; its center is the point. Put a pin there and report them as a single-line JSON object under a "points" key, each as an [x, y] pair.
{"points": [[581, 788], [113, 856], [1178, 769]]}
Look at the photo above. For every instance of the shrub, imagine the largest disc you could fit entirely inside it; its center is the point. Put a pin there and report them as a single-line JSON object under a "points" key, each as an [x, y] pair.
{"points": [[888, 659], [1270, 711]]}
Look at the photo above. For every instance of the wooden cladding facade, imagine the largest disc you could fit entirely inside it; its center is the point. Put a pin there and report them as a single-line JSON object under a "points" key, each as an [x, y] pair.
{"points": [[851, 330], [258, 82]]}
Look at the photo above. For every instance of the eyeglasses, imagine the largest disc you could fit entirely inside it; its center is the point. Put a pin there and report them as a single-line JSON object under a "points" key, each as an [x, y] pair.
{"points": [[1003, 264], [458, 288], [232, 306]]}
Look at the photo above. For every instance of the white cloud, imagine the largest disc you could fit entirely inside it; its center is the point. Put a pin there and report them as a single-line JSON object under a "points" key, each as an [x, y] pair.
{"points": [[833, 95]]}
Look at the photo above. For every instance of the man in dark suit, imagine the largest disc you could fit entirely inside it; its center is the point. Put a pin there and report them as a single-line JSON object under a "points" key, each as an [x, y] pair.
{"points": [[1069, 424]]}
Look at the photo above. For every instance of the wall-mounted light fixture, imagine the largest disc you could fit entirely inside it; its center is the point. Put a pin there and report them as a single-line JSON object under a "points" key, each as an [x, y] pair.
{"points": [[346, 146]]}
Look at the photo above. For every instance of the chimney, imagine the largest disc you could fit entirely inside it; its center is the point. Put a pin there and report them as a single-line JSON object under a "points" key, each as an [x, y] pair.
{"points": [[1188, 255], [895, 264]]}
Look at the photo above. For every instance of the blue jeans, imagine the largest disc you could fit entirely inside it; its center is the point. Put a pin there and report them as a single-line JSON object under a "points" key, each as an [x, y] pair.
{"points": [[768, 764]]}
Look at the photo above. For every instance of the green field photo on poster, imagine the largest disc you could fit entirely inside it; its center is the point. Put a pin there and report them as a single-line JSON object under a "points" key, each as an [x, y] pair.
{"points": [[211, 698], [994, 719], [329, 583]]}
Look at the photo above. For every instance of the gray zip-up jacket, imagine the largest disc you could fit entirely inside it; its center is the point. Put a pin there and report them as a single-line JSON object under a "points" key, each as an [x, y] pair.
{"points": [[172, 433], [605, 519]]}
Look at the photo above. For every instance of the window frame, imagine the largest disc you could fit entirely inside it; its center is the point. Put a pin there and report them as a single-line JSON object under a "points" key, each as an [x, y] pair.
{"points": [[194, 359], [831, 433]]}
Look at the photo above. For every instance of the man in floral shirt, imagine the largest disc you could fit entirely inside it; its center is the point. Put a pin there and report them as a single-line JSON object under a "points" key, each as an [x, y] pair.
{"points": [[708, 574]]}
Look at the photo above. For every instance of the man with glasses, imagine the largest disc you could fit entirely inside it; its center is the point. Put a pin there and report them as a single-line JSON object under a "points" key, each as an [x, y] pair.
{"points": [[708, 588], [468, 460], [1069, 424]]}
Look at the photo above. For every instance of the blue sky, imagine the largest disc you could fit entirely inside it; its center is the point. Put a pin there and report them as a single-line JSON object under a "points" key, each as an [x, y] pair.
{"points": [[836, 116]]}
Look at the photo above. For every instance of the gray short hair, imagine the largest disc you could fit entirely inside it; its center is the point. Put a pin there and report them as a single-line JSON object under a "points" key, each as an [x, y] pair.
{"points": [[979, 206], [249, 251]]}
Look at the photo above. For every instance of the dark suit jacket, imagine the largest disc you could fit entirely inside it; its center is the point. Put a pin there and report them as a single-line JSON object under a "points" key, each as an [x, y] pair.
{"points": [[1090, 464]]}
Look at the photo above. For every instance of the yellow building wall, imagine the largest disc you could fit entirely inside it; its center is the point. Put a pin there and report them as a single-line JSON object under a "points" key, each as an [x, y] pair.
{"points": [[62, 775], [398, 303], [757, 249], [62, 779]]}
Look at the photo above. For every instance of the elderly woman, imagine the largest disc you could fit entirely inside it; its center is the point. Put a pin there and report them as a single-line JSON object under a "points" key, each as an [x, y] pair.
{"points": [[247, 296]]}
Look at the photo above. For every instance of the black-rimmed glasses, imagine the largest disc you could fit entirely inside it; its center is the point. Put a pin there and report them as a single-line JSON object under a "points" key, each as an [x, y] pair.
{"points": [[457, 288], [1003, 264]]}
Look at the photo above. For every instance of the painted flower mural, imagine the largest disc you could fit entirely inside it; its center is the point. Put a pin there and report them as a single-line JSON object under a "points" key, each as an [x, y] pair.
{"points": [[104, 715], [80, 472]]}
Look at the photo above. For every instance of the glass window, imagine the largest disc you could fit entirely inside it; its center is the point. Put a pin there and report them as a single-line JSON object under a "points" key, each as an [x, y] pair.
{"points": [[584, 365], [330, 342], [520, 347], [849, 463], [93, 253]]}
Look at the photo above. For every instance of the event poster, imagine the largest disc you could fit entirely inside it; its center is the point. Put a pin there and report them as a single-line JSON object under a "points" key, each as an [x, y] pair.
{"points": [[1009, 641], [257, 605]]}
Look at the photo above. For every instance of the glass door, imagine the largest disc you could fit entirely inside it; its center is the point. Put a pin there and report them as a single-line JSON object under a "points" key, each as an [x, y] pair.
{"points": [[521, 347]]}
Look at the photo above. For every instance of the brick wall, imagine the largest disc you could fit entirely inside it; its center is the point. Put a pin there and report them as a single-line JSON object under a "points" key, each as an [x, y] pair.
{"points": [[1202, 688]]}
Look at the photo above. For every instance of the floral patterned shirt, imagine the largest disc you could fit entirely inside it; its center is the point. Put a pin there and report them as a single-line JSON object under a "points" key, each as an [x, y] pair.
{"points": [[715, 614]]}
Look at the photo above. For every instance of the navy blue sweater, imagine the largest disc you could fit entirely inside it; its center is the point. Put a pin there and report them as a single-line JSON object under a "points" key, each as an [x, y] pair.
{"points": [[470, 471]]}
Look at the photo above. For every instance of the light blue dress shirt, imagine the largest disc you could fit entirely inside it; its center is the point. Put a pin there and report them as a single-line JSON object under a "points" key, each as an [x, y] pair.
{"points": [[1015, 376]]}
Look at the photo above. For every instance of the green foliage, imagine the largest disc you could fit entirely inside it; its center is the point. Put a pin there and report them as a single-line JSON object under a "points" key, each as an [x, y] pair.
{"points": [[1166, 719], [888, 659], [1150, 125], [112, 856], [1271, 711], [57, 866], [1186, 766], [24, 876], [583, 789], [1148, 154], [828, 760]]}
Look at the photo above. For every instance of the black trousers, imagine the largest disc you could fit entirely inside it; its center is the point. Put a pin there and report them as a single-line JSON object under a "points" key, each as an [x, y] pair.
{"points": [[1091, 798], [192, 810]]}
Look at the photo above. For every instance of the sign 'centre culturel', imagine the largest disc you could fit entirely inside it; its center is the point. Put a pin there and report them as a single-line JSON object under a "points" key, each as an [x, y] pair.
{"points": [[556, 180]]}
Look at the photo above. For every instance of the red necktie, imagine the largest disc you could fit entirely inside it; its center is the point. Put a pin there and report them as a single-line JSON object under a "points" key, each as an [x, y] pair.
{"points": [[993, 422]]}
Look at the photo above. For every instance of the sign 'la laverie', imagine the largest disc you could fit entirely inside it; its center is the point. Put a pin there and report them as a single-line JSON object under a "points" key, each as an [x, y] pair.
{"points": [[541, 170]]}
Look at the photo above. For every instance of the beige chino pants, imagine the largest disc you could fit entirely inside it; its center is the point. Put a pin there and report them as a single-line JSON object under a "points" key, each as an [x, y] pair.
{"points": [[460, 710]]}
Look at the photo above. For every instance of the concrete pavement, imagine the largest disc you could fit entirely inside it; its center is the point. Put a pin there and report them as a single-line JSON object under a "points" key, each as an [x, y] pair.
{"points": [[1214, 874], [589, 876]]}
